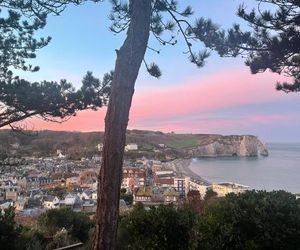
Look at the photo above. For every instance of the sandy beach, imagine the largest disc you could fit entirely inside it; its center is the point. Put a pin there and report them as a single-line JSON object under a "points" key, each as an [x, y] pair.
{"points": [[181, 168]]}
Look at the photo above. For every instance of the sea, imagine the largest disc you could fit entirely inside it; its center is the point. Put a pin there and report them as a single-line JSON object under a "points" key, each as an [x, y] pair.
{"points": [[279, 171]]}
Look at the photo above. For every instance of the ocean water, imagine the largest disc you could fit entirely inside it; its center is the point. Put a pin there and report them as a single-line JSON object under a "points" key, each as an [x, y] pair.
{"points": [[279, 171]]}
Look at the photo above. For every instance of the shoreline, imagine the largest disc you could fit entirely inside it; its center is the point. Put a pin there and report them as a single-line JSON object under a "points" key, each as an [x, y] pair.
{"points": [[182, 168]]}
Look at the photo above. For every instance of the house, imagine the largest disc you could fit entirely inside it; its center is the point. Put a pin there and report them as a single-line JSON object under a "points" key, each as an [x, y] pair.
{"points": [[156, 166], [88, 178], [86, 195], [94, 195], [72, 181], [71, 201], [35, 182], [171, 195], [164, 179], [60, 154], [9, 190], [228, 187], [11, 195], [142, 194], [6, 205], [131, 147], [97, 158], [89, 206], [133, 177], [100, 147], [50, 202], [21, 204]]}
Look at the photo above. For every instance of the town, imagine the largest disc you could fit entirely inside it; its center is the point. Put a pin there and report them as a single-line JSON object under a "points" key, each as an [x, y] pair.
{"points": [[33, 185]]}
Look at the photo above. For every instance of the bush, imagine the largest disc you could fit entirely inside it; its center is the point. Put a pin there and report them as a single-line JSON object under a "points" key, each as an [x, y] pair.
{"points": [[76, 224], [252, 220], [161, 227]]}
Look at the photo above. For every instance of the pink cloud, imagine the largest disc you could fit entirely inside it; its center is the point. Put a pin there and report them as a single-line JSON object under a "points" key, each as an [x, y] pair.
{"points": [[219, 91], [217, 125], [155, 108]]}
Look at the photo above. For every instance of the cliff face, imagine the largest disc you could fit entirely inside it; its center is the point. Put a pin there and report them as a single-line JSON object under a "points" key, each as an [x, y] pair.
{"points": [[234, 145]]}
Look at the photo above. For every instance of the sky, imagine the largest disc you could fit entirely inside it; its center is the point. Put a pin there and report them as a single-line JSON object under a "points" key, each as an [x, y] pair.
{"points": [[222, 97]]}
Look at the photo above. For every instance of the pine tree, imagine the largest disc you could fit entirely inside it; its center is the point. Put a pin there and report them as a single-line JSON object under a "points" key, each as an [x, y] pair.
{"points": [[273, 43], [51, 101]]}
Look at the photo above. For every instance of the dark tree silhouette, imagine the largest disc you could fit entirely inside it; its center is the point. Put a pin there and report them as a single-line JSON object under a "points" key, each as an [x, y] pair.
{"points": [[20, 99], [273, 42]]}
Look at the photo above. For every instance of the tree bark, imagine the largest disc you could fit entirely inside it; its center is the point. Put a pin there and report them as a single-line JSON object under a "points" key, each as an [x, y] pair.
{"points": [[127, 66]]}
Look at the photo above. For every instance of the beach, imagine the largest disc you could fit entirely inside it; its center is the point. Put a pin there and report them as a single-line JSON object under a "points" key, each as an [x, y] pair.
{"points": [[182, 168]]}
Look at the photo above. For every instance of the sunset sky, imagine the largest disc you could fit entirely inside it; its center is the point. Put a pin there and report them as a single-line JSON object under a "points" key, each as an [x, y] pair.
{"points": [[223, 97]]}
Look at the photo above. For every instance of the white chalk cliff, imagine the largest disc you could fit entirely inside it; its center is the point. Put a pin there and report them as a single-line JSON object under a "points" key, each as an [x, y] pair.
{"points": [[233, 145]]}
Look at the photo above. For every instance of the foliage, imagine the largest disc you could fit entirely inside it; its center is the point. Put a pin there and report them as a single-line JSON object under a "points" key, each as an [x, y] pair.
{"points": [[273, 43], [210, 194], [60, 239], [51, 101], [34, 239], [76, 224], [252, 220], [57, 191], [161, 227], [128, 198], [10, 232], [194, 201]]}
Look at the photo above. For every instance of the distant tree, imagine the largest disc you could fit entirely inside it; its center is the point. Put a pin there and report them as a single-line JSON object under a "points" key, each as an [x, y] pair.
{"points": [[57, 191], [128, 198], [60, 239], [252, 220], [273, 43], [76, 224], [162, 227], [210, 194], [34, 239], [194, 201], [10, 232]]}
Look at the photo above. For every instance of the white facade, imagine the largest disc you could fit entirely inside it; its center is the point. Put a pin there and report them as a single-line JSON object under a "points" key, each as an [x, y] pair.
{"points": [[131, 147], [191, 184], [94, 195], [50, 204], [228, 187], [179, 185]]}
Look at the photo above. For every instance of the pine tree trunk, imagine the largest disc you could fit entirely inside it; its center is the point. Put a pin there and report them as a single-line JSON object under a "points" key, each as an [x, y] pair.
{"points": [[127, 66]]}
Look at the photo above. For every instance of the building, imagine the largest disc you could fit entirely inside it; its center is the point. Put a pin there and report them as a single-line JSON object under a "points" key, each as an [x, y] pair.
{"points": [[228, 187], [131, 147], [179, 185], [142, 194], [9, 190], [171, 195], [156, 166], [72, 181], [89, 206], [193, 184], [88, 178], [133, 177], [35, 182], [50, 202], [100, 147], [164, 179]]}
